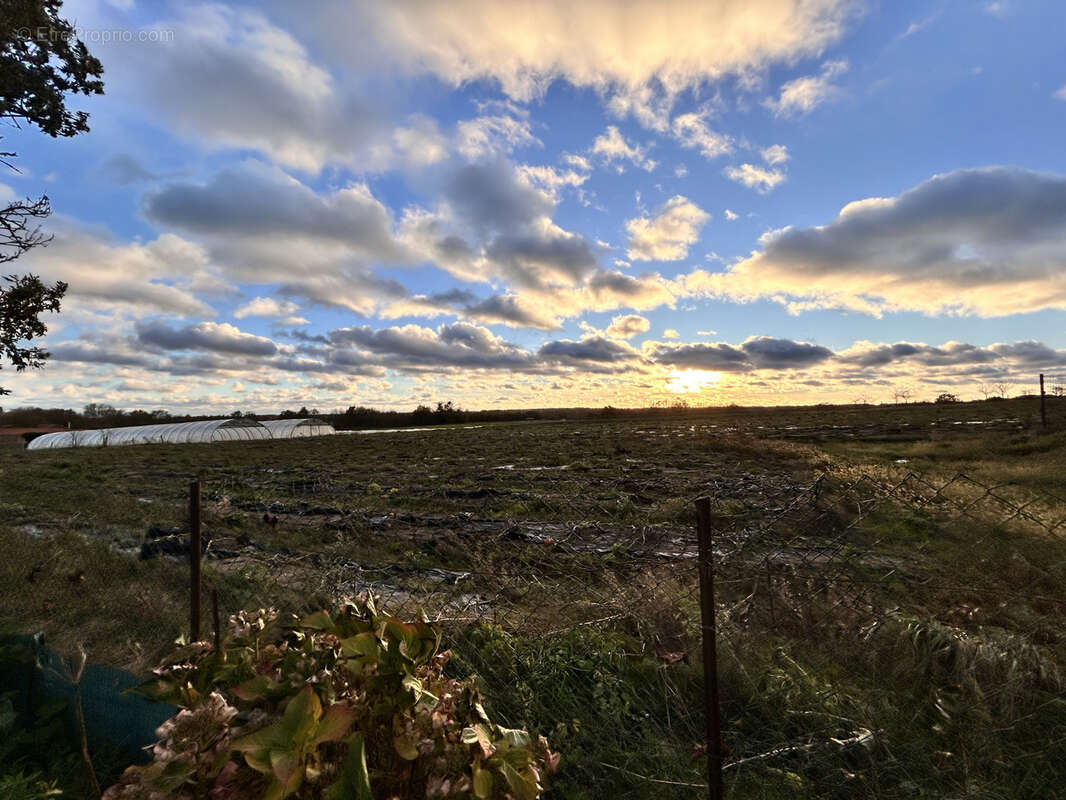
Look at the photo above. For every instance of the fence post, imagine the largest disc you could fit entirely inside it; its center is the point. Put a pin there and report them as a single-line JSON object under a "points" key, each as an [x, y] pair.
{"points": [[195, 552], [705, 538], [1043, 403]]}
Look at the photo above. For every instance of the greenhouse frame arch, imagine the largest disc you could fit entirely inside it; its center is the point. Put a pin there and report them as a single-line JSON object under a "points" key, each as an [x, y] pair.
{"points": [[294, 428], [211, 430]]}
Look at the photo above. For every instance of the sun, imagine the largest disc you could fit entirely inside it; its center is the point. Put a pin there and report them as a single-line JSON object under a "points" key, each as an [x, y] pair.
{"points": [[691, 380]]}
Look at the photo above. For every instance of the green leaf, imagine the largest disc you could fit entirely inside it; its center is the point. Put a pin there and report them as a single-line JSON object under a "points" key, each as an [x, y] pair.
{"points": [[405, 748], [516, 737], [468, 736], [255, 689], [264, 739], [354, 780], [285, 765], [301, 715], [482, 783], [362, 645], [320, 620], [521, 787], [334, 723]]}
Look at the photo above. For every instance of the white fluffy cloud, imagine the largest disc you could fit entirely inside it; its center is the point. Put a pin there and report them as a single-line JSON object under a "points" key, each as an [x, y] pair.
{"points": [[168, 274], [775, 154], [626, 326], [757, 178], [230, 77], [493, 135], [692, 131], [803, 95], [988, 241], [598, 43], [668, 235], [610, 147]]}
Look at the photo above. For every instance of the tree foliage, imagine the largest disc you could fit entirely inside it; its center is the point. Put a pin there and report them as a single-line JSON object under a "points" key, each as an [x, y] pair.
{"points": [[22, 302], [41, 62]]}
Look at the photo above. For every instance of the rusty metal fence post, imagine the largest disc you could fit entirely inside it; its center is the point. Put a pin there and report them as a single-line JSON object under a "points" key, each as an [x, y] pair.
{"points": [[1043, 403], [195, 553], [705, 538]]}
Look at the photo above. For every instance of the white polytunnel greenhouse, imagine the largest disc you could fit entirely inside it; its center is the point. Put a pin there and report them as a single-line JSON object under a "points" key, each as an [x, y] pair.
{"points": [[292, 428], [211, 430]]}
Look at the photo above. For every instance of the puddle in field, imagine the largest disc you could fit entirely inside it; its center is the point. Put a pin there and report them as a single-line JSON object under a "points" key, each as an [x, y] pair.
{"points": [[408, 430]]}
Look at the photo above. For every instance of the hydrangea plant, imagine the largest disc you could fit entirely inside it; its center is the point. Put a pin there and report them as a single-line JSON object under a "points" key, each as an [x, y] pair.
{"points": [[347, 703]]}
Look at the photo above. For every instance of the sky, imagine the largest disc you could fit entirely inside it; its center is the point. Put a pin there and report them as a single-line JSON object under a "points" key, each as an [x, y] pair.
{"points": [[554, 204]]}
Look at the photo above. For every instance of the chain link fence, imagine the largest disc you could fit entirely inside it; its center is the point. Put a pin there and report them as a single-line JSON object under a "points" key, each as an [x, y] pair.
{"points": [[874, 638]]}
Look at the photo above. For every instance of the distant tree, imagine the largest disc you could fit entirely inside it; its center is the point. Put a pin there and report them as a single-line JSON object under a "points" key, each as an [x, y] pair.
{"points": [[1058, 391], [160, 413], [100, 410], [986, 390], [903, 394], [303, 412], [1001, 389], [947, 398], [236, 414]]}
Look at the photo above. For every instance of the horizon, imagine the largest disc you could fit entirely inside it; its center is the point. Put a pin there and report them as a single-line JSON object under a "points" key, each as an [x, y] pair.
{"points": [[566, 205]]}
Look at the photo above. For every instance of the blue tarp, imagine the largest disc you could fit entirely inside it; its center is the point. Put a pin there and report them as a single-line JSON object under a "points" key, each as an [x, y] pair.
{"points": [[115, 719]]}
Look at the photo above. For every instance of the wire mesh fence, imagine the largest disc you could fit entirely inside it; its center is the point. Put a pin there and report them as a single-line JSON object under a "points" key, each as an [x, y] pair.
{"points": [[874, 638]]}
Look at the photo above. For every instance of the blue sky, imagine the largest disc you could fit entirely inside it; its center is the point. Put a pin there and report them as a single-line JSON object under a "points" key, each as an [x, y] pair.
{"points": [[555, 204]]}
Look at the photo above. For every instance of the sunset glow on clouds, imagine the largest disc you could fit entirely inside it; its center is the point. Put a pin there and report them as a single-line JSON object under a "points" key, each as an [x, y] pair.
{"points": [[555, 204]]}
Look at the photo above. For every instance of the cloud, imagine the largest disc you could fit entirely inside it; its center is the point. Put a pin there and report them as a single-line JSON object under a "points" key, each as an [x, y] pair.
{"points": [[421, 143], [731, 215], [756, 352], [264, 227], [671, 333], [493, 136], [668, 235], [209, 336], [166, 274], [415, 348], [761, 180], [542, 257], [952, 354], [490, 197], [775, 154], [692, 132], [591, 353], [989, 241], [626, 326], [599, 45], [1060, 93], [124, 169], [551, 180], [610, 146], [803, 95], [285, 310], [254, 199], [229, 77]]}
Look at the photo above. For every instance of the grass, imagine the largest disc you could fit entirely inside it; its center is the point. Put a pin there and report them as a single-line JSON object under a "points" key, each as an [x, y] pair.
{"points": [[919, 658]]}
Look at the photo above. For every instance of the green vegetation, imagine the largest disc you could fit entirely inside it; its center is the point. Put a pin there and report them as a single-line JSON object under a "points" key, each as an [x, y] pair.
{"points": [[344, 704], [899, 648]]}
